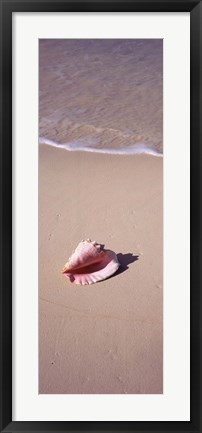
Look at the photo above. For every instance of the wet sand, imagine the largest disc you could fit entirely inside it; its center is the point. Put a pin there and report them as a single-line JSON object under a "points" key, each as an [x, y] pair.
{"points": [[106, 337]]}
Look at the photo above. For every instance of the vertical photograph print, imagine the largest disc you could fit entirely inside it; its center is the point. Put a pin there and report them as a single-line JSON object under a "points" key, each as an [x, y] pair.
{"points": [[100, 216]]}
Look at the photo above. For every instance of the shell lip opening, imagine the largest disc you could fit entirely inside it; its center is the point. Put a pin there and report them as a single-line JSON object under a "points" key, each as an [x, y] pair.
{"points": [[83, 267], [93, 267]]}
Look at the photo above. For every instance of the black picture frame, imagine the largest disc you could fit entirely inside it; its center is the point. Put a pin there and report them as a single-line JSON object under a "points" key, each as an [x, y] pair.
{"points": [[6, 9]]}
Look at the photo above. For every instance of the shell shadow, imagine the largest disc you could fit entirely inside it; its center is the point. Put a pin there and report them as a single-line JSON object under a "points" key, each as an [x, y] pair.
{"points": [[125, 260]]}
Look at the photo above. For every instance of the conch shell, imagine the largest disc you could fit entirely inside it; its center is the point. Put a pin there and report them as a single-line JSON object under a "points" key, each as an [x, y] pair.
{"points": [[90, 263]]}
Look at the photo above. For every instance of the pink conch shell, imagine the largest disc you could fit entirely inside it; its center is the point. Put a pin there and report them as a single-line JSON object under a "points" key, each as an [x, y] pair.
{"points": [[90, 263]]}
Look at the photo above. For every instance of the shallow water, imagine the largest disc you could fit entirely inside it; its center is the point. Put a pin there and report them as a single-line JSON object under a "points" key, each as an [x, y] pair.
{"points": [[102, 95]]}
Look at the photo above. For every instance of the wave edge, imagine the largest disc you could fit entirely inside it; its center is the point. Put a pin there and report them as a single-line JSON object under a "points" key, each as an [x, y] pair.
{"points": [[75, 146]]}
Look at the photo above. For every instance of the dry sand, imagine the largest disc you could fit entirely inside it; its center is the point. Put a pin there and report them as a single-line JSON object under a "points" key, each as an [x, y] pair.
{"points": [[106, 337]]}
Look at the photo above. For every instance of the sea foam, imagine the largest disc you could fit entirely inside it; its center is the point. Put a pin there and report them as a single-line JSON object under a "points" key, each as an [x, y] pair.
{"points": [[79, 145]]}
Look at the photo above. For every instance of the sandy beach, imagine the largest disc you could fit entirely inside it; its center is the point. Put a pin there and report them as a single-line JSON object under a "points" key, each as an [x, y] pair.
{"points": [[106, 337]]}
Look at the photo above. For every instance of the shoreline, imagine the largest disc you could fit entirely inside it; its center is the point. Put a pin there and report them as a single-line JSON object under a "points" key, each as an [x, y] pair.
{"points": [[74, 146]]}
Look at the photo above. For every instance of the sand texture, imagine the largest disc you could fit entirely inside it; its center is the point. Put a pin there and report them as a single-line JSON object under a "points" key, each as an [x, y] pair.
{"points": [[106, 337]]}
